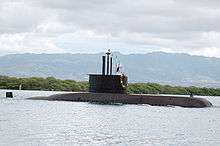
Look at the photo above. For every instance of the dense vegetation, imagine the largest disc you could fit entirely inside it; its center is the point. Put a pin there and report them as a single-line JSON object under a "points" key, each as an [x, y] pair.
{"points": [[38, 83], [154, 88], [52, 84]]}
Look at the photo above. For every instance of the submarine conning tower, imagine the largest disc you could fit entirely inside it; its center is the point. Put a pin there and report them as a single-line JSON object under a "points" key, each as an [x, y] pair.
{"points": [[107, 82]]}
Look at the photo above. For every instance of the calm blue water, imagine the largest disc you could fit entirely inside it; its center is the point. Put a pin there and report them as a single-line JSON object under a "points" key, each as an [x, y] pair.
{"points": [[31, 122]]}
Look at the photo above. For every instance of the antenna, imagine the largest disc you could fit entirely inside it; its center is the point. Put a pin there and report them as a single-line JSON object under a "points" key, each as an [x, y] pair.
{"points": [[108, 36], [108, 54]]}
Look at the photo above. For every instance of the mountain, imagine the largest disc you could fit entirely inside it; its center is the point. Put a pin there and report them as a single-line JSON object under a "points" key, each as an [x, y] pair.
{"points": [[159, 67]]}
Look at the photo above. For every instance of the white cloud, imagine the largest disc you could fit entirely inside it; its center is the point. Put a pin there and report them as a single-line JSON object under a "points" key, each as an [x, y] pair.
{"points": [[125, 25], [210, 52], [27, 42]]}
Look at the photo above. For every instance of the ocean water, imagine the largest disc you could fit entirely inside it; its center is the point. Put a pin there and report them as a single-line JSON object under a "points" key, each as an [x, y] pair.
{"points": [[31, 122]]}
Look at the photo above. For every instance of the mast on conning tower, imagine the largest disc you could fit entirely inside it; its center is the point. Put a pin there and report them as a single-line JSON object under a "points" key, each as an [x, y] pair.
{"points": [[108, 65]]}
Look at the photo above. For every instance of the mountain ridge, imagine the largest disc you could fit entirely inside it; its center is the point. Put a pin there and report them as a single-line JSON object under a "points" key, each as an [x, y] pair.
{"points": [[159, 67]]}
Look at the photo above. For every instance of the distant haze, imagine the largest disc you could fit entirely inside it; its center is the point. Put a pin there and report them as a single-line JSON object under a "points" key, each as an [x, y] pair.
{"points": [[159, 67], [92, 26]]}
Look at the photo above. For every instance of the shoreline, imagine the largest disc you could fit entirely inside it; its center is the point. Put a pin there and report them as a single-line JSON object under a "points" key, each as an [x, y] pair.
{"points": [[179, 95]]}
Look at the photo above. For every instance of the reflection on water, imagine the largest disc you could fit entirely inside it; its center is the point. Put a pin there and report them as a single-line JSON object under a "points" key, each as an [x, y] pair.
{"points": [[31, 122]]}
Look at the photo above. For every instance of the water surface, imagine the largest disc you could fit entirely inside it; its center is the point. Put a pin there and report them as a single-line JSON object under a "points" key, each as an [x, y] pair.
{"points": [[32, 122]]}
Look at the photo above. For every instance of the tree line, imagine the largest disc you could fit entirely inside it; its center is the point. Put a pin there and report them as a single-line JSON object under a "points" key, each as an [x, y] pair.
{"points": [[53, 84], [44, 84]]}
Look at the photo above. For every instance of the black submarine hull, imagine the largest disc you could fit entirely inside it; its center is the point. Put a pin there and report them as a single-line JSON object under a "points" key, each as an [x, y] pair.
{"points": [[154, 100]]}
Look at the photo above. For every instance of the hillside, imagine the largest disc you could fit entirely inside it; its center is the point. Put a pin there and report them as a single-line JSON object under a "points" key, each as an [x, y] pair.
{"points": [[159, 67]]}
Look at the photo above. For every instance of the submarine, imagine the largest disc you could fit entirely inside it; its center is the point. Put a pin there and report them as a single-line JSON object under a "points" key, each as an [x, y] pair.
{"points": [[109, 88]]}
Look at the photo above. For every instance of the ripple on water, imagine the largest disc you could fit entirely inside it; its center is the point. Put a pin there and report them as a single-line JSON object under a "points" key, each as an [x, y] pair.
{"points": [[29, 122]]}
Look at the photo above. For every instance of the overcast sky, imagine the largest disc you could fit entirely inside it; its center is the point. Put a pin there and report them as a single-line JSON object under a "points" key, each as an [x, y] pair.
{"points": [[128, 26]]}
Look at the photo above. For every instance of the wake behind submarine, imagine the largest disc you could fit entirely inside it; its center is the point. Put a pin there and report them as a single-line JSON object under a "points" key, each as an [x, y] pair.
{"points": [[108, 88]]}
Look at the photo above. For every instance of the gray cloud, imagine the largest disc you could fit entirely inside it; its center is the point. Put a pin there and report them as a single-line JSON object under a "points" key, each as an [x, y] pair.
{"points": [[171, 25]]}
